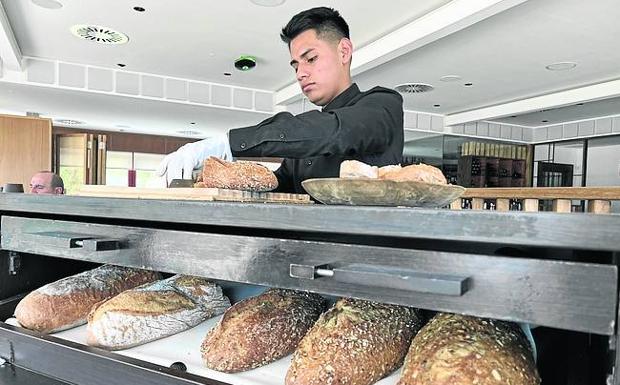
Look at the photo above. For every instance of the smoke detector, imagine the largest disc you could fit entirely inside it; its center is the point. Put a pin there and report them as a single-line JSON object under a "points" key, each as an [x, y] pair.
{"points": [[413, 88], [99, 34]]}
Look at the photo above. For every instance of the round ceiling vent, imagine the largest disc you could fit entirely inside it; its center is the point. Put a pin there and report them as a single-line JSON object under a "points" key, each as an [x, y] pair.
{"points": [[413, 88], [189, 132], [98, 34], [69, 122]]}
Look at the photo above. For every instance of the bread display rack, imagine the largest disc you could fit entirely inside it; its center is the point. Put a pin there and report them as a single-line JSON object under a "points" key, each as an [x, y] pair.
{"points": [[548, 269]]}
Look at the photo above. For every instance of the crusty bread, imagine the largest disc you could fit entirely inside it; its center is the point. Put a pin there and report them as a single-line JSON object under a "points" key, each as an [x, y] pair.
{"points": [[154, 311], [460, 350], [354, 343], [357, 169], [414, 173], [260, 329], [239, 175], [65, 303]]}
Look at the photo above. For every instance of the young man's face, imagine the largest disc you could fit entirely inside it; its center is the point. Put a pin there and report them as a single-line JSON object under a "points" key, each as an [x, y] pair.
{"points": [[41, 183], [321, 66]]}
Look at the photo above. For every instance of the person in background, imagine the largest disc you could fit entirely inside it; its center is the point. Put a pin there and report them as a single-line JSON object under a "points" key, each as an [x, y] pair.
{"points": [[46, 182], [352, 125]]}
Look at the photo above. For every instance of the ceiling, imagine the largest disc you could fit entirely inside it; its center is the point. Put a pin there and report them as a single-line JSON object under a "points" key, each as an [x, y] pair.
{"points": [[189, 39], [503, 56]]}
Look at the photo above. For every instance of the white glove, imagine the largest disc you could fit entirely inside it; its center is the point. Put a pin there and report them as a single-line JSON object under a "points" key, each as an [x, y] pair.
{"points": [[181, 163]]}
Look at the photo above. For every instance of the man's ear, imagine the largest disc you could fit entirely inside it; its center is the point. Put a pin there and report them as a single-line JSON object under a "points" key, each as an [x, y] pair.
{"points": [[59, 190], [345, 50]]}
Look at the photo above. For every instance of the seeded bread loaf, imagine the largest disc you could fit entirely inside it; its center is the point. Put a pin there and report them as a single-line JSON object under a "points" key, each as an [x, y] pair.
{"points": [[239, 175], [354, 343], [260, 330], [460, 350], [154, 311], [65, 303]]}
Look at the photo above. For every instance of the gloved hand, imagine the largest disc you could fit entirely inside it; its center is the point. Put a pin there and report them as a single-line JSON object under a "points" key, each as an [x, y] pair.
{"points": [[181, 163]]}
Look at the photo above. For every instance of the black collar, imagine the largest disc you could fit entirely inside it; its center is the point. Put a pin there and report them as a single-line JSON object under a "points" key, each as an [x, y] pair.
{"points": [[342, 99]]}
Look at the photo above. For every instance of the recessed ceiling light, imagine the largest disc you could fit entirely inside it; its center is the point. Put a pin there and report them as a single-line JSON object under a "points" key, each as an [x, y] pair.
{"points": [[268, 3], [436, 105], [227, 74], [450, 78], [513, 116], [69, 122], [413, 88], [48, 4], [561, 66], [189, 132], [579, 104], [98, 34], [139, 9], [192, 122], [468, 84], [544, 121], [121, 65]]}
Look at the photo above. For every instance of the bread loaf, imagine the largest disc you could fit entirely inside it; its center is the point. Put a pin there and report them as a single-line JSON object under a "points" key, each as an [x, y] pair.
{"points": [[460, 350], [239, 175], [65, 303], [354, 343], [154, 311], [261, 329], [413, 173], [356, 169]]}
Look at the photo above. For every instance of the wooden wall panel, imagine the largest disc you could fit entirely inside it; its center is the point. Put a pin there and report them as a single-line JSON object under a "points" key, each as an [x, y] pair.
{"points": [[122, 141], [25, 148]]}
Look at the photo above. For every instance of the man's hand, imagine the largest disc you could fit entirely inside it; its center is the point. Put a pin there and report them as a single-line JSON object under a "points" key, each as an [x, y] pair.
{"points": [[181, 163]]}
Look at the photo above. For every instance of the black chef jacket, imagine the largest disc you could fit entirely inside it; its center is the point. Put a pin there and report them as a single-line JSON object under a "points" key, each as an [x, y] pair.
{"points": [[365, 126]]}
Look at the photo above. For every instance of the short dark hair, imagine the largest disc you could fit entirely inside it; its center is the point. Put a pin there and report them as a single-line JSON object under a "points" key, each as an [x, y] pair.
{"points": [[327, 23]]}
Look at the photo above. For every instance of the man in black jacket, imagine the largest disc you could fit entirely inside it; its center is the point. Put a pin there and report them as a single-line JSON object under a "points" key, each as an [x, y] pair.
{"points": [[365, 126]]}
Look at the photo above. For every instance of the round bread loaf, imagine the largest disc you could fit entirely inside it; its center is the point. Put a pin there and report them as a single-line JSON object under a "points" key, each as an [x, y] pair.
{"points": [[357, 169], [354, 343], [461, 350], [239, 175], [260, 329], [414, 173]]}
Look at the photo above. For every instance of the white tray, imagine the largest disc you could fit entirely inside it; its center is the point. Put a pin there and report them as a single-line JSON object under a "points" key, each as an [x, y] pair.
{"points": [[185, 347]]}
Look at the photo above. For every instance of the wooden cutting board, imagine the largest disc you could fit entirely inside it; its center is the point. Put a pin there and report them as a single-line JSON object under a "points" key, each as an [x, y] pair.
{"points": [[196, 194]]}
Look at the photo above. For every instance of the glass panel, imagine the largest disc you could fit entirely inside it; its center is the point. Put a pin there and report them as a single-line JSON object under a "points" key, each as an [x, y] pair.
{"points": [[570, 153], [71, 161], [143, 161], [541, 152], [117, 165], [604, 164], [118, 159], [116, 177]]}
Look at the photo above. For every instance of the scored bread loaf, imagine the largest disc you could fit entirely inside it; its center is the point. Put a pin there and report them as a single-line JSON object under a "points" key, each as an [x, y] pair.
{"points": [[260, 330], [154, 311], [458, 350], [413, 173], [65, 303], [239, 175], [354, 343]]}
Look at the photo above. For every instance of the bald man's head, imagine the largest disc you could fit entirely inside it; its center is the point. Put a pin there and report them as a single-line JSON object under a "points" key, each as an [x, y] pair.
{"points": [[46, 182]]}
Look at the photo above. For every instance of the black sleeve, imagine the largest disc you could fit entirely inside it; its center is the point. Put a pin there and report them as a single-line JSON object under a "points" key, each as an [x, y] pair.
{"points": [[366, 127], [284, 173]]}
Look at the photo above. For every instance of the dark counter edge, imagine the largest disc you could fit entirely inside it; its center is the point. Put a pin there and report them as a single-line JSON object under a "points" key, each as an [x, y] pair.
{"points": [[544, 229]]}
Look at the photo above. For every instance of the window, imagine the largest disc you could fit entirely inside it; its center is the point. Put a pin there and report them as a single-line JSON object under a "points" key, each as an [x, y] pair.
{"points": [[119, 163]]}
